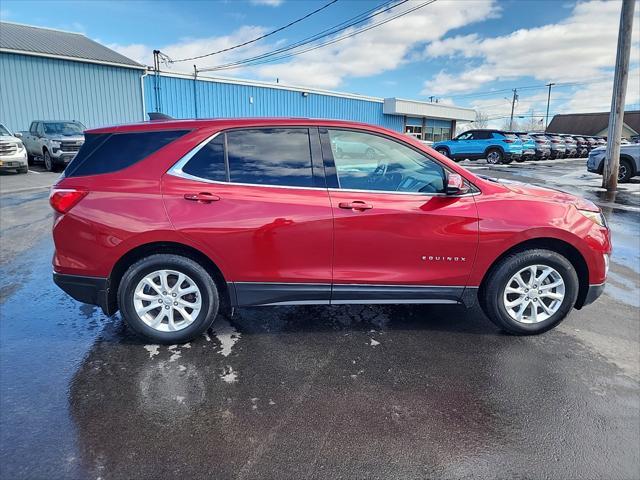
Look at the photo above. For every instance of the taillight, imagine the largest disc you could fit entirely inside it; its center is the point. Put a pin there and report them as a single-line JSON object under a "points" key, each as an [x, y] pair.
{"points": [[64, 199], [506, 140]]}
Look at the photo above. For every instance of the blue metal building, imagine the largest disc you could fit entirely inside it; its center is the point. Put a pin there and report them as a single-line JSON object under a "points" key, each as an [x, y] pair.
{"points": [[52, 75], [185, 96]]}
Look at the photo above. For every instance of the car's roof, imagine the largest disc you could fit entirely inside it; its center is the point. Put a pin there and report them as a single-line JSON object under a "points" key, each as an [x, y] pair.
{"points": [[223, 123]]}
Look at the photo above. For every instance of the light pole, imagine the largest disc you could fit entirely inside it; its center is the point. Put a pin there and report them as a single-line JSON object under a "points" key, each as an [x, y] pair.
{"points": [[546, 124]]}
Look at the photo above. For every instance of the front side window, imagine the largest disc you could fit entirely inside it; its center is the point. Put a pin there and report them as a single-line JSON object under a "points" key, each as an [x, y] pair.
{"points": [[371, 162], [270, 156]]}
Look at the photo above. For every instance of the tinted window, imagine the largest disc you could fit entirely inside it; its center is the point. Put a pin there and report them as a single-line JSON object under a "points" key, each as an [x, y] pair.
{"points": [[66, 129], [481, 135], [111, 152], [465, 136], [208, 162], [270, 156], [370, 162]]}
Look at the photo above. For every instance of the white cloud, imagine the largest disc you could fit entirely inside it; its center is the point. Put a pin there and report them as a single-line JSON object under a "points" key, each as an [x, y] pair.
{"points": [[191, 47], [268, 3], [579, 48], [380, 49]]}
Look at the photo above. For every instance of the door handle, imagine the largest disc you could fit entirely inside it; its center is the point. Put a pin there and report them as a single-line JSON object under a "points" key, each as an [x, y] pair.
{"points": [[202, 197], [357, 205]]}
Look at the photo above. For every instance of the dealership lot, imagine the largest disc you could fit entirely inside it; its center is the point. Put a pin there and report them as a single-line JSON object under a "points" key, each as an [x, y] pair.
{"points": [[318, 392]]}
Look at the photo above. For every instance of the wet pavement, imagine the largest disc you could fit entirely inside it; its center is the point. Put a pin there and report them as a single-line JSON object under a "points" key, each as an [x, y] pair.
{"points": [[319, 392]]}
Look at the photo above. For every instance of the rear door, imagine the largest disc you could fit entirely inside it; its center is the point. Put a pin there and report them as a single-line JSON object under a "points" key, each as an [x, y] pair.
{"points": [[398, 237], [254, 201]]}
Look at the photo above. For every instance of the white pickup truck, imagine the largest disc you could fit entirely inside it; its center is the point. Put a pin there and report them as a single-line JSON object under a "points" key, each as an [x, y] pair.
{"points": [[12, 153], [56, 142]]}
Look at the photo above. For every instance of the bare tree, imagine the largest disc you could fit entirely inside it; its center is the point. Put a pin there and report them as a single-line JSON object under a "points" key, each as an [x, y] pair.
{"points": [[506, 125], [481, 121]]}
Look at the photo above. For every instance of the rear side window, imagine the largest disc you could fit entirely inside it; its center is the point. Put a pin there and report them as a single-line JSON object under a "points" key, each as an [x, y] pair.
{"points": [[208, 162], [270, 156], [509, 136], [106, 153]]}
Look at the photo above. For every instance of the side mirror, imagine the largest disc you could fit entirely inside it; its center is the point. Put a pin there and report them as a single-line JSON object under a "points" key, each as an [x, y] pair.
{"points": [[456, 185], [17, 135]]}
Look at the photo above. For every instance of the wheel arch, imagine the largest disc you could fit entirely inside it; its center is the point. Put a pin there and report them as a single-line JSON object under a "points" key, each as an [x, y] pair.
{"points": [[493, 147], [176, 248], [565, 249]]}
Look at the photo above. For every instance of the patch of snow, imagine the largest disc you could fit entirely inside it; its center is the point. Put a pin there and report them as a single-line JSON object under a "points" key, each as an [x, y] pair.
{"points": [[229, 375], [226, 335], [152, 349]]}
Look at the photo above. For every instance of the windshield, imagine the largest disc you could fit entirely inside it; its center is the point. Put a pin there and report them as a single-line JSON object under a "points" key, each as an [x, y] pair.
{"points": [[66, 129], [4, 132]]}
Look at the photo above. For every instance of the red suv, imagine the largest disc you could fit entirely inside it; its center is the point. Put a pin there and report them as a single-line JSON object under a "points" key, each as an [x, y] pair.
{"points": [[171, 221]]}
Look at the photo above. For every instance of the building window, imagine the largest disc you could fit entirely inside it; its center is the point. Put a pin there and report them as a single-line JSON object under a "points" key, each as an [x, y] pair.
{"points": [[414, 131]]}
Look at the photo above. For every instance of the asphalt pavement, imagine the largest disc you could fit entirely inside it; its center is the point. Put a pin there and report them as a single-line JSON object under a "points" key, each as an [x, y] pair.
{"points": [[342, 392]]}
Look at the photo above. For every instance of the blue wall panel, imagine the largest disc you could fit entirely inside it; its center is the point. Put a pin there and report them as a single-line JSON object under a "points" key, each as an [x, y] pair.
{"points": [[38, 88], [223, 100]]}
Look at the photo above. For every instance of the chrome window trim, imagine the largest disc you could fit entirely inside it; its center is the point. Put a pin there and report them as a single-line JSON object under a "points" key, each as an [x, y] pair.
{"points": [[177, 171]]}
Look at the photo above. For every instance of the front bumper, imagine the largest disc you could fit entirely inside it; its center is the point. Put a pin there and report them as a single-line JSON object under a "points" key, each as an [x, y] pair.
{"points": [[10, 162], [594, 164], [91, 290], [60, 156]]}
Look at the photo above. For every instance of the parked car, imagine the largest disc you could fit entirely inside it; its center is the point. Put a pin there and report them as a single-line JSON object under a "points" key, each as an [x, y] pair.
{"points": [[558, 147], [570, 146], [204, 215], [13, 155], [601, 141], [542, 145], [592, 143], [495, 145], [582, 146], [55, 142], [629, 161], [528, 146]]}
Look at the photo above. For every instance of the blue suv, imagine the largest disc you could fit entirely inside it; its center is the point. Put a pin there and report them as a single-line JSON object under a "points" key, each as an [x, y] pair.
{"points": [[495, 145]]}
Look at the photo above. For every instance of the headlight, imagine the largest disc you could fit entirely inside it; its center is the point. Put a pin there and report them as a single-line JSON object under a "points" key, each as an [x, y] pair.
{"points": [[20, 146], [596, 217], [55, 144]]}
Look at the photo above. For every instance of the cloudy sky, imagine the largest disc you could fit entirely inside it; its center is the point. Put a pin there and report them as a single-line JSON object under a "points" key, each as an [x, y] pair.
{"points": [[468, 52]]}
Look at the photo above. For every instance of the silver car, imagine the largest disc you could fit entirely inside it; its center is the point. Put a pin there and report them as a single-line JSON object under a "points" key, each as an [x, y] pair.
{"points": [[629, 161]]}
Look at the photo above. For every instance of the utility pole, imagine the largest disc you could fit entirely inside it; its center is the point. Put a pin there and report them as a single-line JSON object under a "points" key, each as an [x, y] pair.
{"points": [[156, 79], [513, 106], [616, 116], [546, 121]]}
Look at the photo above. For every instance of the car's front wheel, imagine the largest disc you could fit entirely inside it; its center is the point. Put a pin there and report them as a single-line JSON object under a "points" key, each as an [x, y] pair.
{"points": [[48, 161], [168, 298], [530, 291]]}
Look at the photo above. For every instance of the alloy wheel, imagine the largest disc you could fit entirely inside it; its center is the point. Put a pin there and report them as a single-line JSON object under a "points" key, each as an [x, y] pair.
{"points": [[622, 171], [493, 158], [47, 161], [534, 294], [167, 300]]}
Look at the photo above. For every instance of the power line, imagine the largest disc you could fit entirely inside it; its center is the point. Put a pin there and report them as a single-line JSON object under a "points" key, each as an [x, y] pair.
{"points": [[298, 20], [273, 56]]}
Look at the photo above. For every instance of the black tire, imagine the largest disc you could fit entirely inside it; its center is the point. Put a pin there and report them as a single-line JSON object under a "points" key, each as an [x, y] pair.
{"points": [[494, 156], [206, 285], [29, 159], [491, 293], [625, 171], [522, 159], [23, 170], [443, 151], [48, 161]]}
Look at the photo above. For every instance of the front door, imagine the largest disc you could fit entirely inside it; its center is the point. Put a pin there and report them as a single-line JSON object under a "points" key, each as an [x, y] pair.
{"points": [[249, 198], [397, 236]]}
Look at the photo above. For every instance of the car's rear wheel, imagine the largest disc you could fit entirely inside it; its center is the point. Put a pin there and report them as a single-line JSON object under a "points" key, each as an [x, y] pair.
{"points": [[625, 171], [168, 298], [530, 291], [495, 157]]}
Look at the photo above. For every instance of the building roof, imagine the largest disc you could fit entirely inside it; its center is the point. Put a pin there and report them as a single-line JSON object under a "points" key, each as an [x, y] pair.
{"points": [[590, 123], [45, 42]]}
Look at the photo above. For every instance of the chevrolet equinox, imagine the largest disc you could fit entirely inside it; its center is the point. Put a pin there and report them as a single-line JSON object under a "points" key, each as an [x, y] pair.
{"points": [[172, 221]]}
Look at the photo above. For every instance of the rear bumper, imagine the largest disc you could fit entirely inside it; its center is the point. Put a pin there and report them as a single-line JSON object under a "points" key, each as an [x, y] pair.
{"points": [[512, 155], [91, 290], [593, 293]]}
